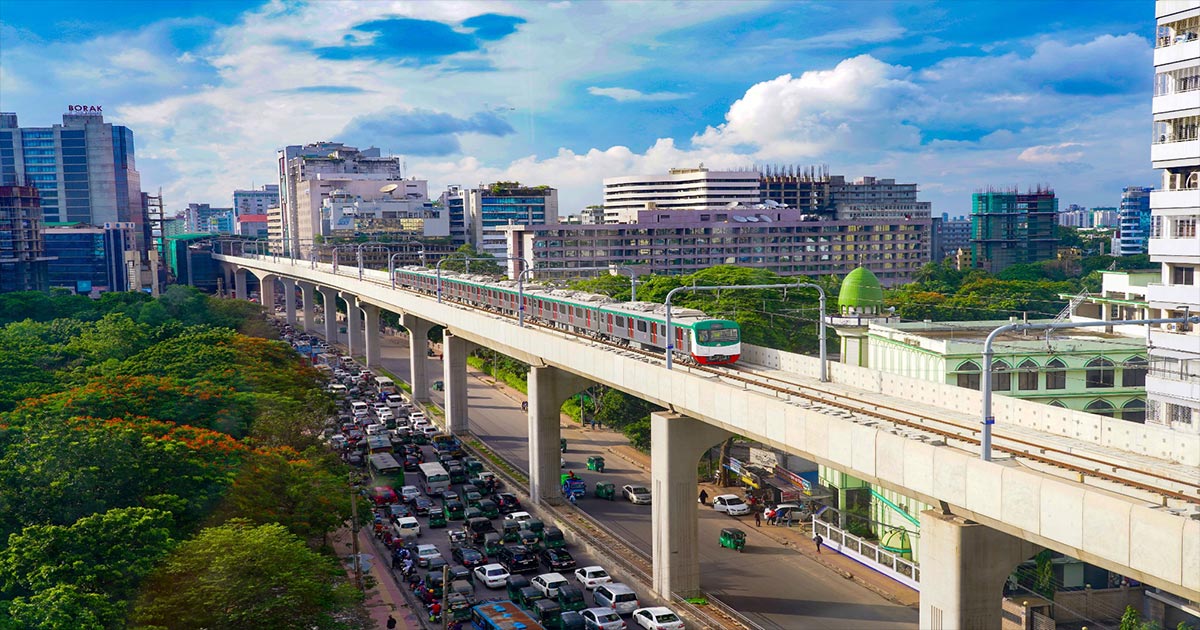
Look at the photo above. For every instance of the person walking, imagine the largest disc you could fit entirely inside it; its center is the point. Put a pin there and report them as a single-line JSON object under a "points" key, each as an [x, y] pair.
{"points": [[391, 622], [703, 497], [757, 518], [818, 540]]}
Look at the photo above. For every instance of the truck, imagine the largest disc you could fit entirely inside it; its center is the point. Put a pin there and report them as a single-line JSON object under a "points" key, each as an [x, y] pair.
{"points": [[573, 486]]}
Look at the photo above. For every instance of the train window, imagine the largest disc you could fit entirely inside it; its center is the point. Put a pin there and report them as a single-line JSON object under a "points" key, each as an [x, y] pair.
{"points": [[620, 321], [641, 326]]}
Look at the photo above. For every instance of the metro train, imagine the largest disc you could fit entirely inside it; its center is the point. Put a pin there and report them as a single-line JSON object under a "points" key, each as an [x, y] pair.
{"points": [[706, 340]]}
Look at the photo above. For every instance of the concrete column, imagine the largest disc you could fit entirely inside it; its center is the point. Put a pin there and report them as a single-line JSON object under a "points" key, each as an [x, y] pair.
{"points": [[289, 300], [963, 569], [371, 335], [308, 297], [227, 272], [676, 443], [418, 349], [353, 325], [331, 325], [454, 377], [549, 387], [266, 293], [239, 279]]}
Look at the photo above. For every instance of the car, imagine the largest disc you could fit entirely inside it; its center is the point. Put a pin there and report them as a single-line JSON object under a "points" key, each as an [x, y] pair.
{"points": [[411, 463], [399, 510], [491, 575], [382, 495], [657, 618], [507, 502], [731, 504], [636, 494], [407, 526], [557, 559], [617, 596], [384, 414], [422, 506], [468, 556], [548, 584], [602, 618], [785, 512], [518, 516], [592, 576], [425, 553], [430, 430], [517, 559], [449, 495], [408, 494]]}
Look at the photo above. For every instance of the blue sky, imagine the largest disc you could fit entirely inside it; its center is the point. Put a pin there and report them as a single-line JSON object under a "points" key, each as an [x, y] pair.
{"points": [[954, 96]]}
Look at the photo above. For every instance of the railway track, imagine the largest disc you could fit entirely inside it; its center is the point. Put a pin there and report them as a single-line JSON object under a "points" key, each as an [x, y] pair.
{"points": [[1082, 466]]}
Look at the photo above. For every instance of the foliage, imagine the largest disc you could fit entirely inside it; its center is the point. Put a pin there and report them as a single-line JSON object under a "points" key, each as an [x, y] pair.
{"points": [[66, 607], [638, 433], [458, 261], [262, 577], [618, 409], [1043, 579]]}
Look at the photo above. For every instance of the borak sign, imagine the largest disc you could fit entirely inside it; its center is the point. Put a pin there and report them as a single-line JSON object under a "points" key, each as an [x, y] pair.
{"points": [[85, 109]]}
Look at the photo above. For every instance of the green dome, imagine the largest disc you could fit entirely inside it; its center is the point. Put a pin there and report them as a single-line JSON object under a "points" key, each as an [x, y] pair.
{"points": [[860, 289]]}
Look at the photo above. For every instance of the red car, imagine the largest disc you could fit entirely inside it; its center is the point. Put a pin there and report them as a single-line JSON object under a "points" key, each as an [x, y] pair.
{"points": [[383, 495]]}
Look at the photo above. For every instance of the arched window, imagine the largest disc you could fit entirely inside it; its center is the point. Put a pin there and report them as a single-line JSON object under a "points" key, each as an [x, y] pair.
{"points": [[1027, 375], [1056, 374], [1101, 408], [1134, 373], [968, 375], [1001, 377], [1134, 411], [1100, 373], [1057, 403]]}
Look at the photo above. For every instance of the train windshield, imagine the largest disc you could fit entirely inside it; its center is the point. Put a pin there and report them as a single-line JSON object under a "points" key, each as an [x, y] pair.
{"points": [[718, 333]]}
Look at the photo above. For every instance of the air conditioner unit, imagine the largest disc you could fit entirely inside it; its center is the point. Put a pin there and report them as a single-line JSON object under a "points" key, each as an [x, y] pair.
{"points": [[1173, 327]]}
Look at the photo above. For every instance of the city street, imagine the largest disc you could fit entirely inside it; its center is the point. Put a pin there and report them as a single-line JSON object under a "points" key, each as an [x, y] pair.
{"points": [[773, 585]]}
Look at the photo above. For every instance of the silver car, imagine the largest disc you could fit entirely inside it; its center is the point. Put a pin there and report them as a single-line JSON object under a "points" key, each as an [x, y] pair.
{"points": [[601, 619], [617, 596], [637, 494]]}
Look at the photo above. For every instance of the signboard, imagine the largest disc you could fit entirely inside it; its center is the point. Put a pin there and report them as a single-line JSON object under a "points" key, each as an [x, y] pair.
{"points": [[804, 482], [83, 287], [764, 458], [85, 109], [735, 466]]}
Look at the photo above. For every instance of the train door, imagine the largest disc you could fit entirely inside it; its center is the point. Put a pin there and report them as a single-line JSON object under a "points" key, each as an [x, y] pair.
{"points": [[609, 323], [653, 333], [630, 320], [680, 343]]}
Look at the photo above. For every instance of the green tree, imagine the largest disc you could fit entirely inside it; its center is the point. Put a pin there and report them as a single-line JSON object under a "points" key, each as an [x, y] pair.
{"points": [[618, 409], [65, 607], [261, 577], [459, 259], [638, 433], [302, 495]]}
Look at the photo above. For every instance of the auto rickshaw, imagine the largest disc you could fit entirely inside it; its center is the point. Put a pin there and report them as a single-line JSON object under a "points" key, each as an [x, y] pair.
{"points": [[458, 607], [571, 620], [733, 538], [436, 519], [529, 539], [512, 531], [453, 510], [492, 544], [473, 466], [513, 584], [489, 508], [571, 598], [534, 525], [457, 537], [605, 490], [473, 498], [527, 596], [596, 463], [419, 437], [547, 612], [552, 538]]}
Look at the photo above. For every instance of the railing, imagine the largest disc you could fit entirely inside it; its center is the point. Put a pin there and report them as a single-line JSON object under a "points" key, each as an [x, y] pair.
{"points": [[869, 554], [1186, 370]]}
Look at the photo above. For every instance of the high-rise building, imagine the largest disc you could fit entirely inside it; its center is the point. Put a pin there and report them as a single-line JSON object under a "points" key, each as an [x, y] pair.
{"points": [[1133, 222], [803, 188], [489, 208], [680, 189], [947, 236], [1009, 228], [202, 217], [453, 200], [1105, 217], [1171, 386], [23, 260], [255, 201], [1076, 216], [91, 259], [309, 173], [84, 169]]}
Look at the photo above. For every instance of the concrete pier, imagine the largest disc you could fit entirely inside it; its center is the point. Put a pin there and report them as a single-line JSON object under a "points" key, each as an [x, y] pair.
{"points": [[549, 388], [418, 349], [454, 377]]}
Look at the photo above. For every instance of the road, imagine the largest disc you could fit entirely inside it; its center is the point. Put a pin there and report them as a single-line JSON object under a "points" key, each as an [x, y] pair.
{"points": [[769, 583]]}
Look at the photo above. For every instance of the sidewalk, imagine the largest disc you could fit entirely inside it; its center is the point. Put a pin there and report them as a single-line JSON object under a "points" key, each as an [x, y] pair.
{"points": [[385, 597]]}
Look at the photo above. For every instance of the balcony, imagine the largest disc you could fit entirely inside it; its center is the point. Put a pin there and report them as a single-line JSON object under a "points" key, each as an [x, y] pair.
{"points": [[1174, 247], [1178, 103], [1162, 199], [1164, 338], [1177, 48], [1170, 295], [1175, 151]]}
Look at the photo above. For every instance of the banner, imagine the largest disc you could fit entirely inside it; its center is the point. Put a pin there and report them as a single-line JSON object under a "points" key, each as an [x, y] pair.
{"points": [[764, 458], [735, 466]]}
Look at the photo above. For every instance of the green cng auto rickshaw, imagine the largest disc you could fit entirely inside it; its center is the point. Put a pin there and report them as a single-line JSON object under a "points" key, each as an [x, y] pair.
{"points": [[547, 612], [492, 544], [529, 539], [606, 490], [436, 519], [489, 508], [512, 531], [733, 538], [453, 510], [458, 607], [552, 538], [513, 584], [596, 463]]}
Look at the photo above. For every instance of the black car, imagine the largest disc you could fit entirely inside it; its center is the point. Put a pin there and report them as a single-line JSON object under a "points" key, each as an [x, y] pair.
{"points": [[422, 505], [460, 573], [507, 502], [399, 510], [468, 556], [557, 559], [411, 464], [518, 559]]}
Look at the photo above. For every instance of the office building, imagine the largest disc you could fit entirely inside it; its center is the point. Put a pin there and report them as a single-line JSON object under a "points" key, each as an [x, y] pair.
{"points": [[1173, 385], [404, 210], [84, 169], [1133, 222], [251, 225], [948, 236], [255, 201], [453, 200], [309, 173], [23, 260], [1076, 216], [696, 189], [202, 217], [89, 259], [1105, 217], [489, 208], [1010, 227]]}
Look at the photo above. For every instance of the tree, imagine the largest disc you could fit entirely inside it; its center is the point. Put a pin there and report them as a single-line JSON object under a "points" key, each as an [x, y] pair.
{"points": [[65, 607], [618, 409], [458, 261], [237, 576]]}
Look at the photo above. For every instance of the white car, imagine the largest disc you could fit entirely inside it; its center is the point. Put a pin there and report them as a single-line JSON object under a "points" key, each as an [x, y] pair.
{"points": [[593, 576], [731, 504], [637, 494], [359, 409], [548, 584], [407, 526], [601, 619], [493, 575], [409, 493], [519, 517], [425, 553], [657, 618], [431, 431], [383, 414]]}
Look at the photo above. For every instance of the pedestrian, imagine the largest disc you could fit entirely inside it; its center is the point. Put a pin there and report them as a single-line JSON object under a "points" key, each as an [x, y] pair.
{"points": [[757, 518], [703, 497], [391, 622], [817, 539]]}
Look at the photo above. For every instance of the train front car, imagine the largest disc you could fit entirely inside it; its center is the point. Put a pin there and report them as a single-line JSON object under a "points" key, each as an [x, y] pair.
{"points": [[716, 341]]}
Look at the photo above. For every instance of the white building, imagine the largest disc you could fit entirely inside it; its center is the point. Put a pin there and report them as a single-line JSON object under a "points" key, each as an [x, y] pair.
{"points": [[393, 213], [1173, 384], [680, 189], [255, 201]]}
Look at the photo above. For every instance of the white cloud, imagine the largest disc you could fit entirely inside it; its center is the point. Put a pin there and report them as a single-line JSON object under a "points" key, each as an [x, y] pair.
{"points": [[1053, 153], [625, 95]]}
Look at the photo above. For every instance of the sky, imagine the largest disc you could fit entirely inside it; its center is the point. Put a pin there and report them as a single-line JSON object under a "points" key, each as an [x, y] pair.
{"points": [[955, 96]]}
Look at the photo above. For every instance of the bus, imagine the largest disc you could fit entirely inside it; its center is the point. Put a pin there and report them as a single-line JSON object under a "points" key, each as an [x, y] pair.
{"points": [[379, 444], [434, 478], [385, 470], [385, 385], [502, 615]]}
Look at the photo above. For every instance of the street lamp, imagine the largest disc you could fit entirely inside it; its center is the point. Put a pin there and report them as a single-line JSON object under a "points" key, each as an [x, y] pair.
{"points": [[392, 262], [438, 267], [633, 280], [360, 254], [671, 337], [985, 442]]}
